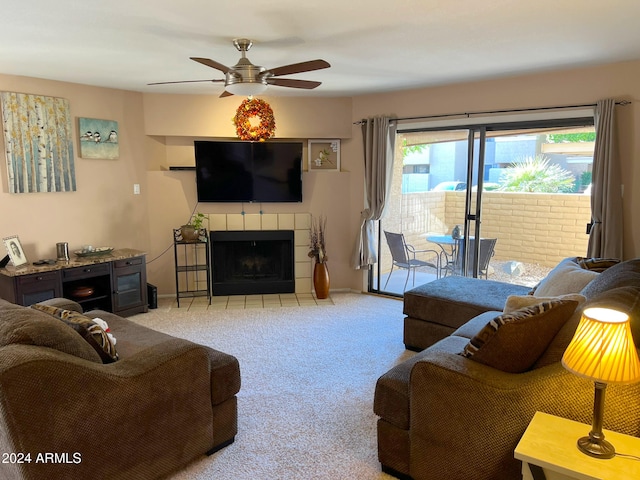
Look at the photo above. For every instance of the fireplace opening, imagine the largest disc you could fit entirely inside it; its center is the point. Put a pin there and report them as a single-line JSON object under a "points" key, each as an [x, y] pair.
{"points": [[252, 262]]}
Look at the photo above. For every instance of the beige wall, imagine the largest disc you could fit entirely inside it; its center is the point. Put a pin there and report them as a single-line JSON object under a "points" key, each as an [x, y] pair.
{"points": [[172, 198], [566, 87], [103, 211], [156, 131], [210, 116], [175, 121]]}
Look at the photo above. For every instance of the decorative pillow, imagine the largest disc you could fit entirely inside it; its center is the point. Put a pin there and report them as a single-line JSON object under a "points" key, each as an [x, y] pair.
{"points": [[513, 342], [566, 277], [516, 302], [20, 325], [620, 275], [596, 264], [87, 328]]}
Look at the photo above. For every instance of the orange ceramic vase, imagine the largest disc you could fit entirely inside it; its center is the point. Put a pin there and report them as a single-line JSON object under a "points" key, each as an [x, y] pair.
{"points": [[321, 280]]}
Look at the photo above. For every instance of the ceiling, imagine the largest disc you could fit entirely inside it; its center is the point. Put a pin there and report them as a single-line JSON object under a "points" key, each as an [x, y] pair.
{"points": [[372, 45]]}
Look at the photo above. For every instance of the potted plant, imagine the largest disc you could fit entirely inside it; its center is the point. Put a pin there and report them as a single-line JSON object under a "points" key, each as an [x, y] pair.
{"points": [[317, 251], [191, 231]]}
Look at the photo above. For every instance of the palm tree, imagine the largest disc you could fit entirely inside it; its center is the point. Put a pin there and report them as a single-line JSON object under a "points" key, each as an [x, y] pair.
{"points": [[537, 174]]}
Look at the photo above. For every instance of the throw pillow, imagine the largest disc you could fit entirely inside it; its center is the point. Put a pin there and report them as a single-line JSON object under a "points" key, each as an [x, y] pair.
{"points": [[87, 328], [596, 264], [620, 275], [513, 342], [516, 302], [566, 277], [20, 325]]}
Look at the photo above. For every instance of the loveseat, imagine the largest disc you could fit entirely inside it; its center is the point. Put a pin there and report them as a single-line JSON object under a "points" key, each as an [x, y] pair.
{"points": [[457, 409], [73, 405]]}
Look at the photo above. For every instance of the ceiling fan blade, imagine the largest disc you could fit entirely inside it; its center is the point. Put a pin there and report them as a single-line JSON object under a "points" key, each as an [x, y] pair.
{"points": [[225, 94], [309, 66], [211, 63], [185, 81], [289, 82]]}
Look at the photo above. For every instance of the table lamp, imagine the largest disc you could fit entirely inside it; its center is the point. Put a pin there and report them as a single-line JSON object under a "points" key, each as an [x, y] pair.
{"points": [[602, 350]]}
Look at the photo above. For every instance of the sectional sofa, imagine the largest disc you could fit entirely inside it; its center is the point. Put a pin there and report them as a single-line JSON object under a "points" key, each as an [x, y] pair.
{"points": [[458, 408]]}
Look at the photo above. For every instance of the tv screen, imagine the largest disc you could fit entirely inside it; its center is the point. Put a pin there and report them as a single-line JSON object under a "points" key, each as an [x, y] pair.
{"points": [[248, 172]]}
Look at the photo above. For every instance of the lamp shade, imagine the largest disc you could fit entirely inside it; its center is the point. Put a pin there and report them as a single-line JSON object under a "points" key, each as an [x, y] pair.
{"points": [[602, 348]]}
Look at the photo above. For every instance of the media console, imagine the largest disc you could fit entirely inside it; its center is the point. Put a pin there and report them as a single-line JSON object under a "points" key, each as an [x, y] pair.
{"points": [[115, 282]]}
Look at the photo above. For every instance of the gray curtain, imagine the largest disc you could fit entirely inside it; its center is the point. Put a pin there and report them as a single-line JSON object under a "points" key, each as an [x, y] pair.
{"points": [[378, 134], [605, 238]]}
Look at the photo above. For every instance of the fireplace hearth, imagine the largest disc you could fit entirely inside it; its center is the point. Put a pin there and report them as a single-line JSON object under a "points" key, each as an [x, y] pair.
{"points": [[252, 262]]}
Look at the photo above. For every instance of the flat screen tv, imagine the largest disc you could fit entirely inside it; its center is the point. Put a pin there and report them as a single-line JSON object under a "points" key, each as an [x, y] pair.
{"points": [[248, 171]]}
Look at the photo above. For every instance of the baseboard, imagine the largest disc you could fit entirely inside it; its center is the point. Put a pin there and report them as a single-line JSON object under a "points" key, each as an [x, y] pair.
{"points": [[333, 290]]}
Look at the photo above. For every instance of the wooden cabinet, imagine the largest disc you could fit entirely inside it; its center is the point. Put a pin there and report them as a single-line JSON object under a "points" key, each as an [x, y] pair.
{"points": [[129, 281], [32, 288], [116, 283], [89, 285]]}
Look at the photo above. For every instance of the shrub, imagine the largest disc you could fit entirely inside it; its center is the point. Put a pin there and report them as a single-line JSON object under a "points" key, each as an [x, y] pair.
{"points": [[537, 174]]}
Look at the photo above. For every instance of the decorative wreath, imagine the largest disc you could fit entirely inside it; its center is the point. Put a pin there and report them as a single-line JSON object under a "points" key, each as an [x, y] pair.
{"points": [[254, 107]]}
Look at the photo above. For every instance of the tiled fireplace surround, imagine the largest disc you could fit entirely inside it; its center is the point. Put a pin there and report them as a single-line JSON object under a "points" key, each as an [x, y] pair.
{"points": [[300, 223]]}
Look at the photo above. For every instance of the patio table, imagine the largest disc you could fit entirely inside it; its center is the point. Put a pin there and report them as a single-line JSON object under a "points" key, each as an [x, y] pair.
{"points": [[448, 246]]}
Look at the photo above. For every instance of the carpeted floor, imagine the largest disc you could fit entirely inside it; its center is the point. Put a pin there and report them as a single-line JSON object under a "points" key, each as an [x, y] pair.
{"points": [[308, 378]]}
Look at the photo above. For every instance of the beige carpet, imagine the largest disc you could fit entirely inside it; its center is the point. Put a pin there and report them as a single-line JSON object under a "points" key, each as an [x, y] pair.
{"points": [[308, 378]]}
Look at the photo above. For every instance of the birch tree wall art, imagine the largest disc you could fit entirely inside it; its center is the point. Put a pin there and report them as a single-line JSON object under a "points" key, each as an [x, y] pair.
{"points": [[38, 143]]}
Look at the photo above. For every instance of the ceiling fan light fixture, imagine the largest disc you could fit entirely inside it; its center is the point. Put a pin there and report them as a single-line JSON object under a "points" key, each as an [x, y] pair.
{"points": [[246, 89], [247, 79]]}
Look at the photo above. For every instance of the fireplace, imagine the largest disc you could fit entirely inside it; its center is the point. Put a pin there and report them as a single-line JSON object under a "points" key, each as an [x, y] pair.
{"points": [[252, 262]]}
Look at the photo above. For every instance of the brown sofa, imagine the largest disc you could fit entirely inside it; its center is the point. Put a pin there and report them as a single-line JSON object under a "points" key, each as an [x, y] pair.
{"points": [[446, 416], [66, 414]]}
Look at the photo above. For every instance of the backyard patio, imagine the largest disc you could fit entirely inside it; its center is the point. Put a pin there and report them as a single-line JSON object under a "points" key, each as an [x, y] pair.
{"points": [[528, 274]]}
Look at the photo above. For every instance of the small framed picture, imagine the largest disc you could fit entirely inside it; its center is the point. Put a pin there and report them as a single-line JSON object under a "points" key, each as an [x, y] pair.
{"points": [[324, 155], [15, 251], [98, 138]]}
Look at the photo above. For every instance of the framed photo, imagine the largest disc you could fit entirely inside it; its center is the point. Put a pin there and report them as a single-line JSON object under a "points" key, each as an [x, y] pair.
{"points": [[324, 155], [15, 251], [98, 138]]}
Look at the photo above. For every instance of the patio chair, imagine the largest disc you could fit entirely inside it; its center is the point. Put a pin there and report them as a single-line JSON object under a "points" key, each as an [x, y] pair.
{"points": [[404, 256], [487, 250]]}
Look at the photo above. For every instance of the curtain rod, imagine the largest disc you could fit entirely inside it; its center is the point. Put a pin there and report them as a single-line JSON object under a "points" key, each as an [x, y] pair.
{"points": [[491, 112]]}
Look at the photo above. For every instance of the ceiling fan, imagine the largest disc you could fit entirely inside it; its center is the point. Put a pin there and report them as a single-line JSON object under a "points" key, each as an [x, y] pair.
{"points": [[246, 79]]}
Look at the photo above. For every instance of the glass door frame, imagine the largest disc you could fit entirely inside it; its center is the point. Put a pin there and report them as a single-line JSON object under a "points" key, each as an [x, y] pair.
{"points": [[481, 129], [476, 217]]}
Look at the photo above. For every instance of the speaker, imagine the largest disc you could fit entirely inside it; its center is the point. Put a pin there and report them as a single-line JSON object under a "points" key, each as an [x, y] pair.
{"points": [[152, 296]]}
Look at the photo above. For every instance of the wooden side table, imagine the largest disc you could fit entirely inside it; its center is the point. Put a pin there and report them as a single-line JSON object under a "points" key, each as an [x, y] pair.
{"points": [[550, 443]]}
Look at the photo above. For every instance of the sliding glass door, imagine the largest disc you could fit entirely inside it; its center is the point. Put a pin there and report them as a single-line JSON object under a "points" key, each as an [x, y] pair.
{"points": [[430, 168], [528, 202]]}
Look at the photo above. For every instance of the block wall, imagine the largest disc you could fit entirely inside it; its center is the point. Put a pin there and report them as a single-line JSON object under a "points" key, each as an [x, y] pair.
{"points": [[534, 228]]}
